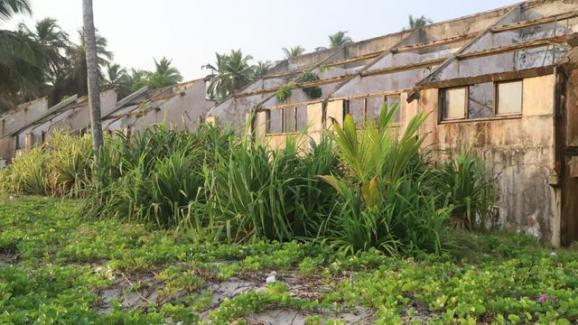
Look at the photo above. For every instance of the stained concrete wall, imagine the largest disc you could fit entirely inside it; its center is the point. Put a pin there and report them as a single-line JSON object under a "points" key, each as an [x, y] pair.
{"points": [[518, 150]]}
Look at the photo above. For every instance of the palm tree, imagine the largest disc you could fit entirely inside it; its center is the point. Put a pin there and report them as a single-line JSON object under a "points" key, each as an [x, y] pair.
{"points": [[230, 73], [261, 69], [116, 78], [418, 22], [54, 43], [77, 72], [92, 75], [21, 60], [293, 52], [138, 78], [339, 39], [10, 7], [164, 74]]}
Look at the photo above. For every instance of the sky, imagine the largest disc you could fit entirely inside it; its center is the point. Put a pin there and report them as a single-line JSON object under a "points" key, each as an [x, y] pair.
{"points": [[190, 31]]}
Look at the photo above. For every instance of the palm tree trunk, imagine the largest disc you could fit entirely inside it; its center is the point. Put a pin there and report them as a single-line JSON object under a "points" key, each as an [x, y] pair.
{"points": [[92, 76]]}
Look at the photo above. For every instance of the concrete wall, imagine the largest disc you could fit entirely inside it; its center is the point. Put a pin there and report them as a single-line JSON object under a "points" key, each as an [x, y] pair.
{"points": [[519, 151]]}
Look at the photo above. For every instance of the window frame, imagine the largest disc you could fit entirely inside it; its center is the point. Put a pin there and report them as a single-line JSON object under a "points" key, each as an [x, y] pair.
{"points": [[466, 118], [497, 96], [442, 103]]}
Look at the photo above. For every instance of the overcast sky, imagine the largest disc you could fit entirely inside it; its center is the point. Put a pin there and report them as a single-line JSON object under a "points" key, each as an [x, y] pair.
{"points": [[191, 31]]}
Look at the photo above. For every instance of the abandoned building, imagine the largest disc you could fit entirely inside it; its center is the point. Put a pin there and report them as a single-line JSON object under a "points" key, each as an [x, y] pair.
{"points": [[502, 82], [180, 107]]}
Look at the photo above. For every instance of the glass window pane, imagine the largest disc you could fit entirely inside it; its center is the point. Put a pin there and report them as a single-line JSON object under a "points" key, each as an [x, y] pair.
{"points": [[374, 105], [510, 97], [289, 119], [481, 100], [275, 121], [356, 109], [454, 102], [301, 118], [392, 101]]}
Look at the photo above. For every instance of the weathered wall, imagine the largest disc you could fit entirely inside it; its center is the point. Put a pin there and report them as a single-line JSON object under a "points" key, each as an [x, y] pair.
{"points": [[518, 150], [570, 159], [186, 110]]}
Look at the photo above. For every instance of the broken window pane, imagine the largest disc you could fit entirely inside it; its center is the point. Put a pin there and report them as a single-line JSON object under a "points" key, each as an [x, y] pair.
{"points": [[275, 121], [301, 118], [374, 105], [510, 97], [394, 100], [453, 103], [289, 121], [356, 109], [481, 100]]}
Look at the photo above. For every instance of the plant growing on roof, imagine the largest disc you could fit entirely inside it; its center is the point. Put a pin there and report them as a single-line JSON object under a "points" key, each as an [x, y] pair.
{"points": [[307, 77], [284, 92]]}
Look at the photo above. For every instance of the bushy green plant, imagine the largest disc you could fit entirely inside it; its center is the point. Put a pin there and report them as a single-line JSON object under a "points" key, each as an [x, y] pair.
{"points": [[284, 92], [309, 76], [470, 189], [386, 203], [258, 192], [28, 173]]}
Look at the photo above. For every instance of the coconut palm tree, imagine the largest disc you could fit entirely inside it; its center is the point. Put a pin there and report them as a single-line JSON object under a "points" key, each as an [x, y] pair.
{"points": [[77, 71], [92, 72], [230, 73], [261, 68], [138, 78], [164, 75], [418, 22], [339, 39], [293, 51], [117, 78], [21, 59], [54, 43]]}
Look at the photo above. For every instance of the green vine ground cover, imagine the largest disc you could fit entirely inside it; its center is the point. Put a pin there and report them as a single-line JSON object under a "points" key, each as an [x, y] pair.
{"points": [[56, 267]]}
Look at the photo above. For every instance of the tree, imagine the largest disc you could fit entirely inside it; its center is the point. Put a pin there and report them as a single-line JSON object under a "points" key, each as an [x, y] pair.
{"points": [[164, 75], [339, 39], [92, 75], [54, 43], [117, 78], [261, 69], [293, 52], [230, 73], [21, 59], [76, 82], [418, 22], [138, 78]]}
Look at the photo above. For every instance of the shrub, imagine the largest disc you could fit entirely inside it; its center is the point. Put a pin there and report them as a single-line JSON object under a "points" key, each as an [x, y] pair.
{"points": [[284, 92], [470, 190], [28, 173], [309, 76], [385, 201]]}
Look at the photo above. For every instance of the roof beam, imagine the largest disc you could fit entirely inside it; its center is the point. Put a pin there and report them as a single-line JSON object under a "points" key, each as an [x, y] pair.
{"points": [[445, 41], [534, 22], [413, 66], [519, 46], [493, 77]]}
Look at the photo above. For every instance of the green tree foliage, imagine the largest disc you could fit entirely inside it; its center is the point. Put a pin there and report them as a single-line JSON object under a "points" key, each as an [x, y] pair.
{"points": [[164, 75], [418, 22], [339, 39], [117, 78], [230, 73], [293, 52]]}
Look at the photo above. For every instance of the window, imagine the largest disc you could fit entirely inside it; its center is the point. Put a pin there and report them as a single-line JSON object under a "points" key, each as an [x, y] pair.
{"points": [[453, 103], [289, 119], [301, 122], [481, 100], [393, 100], [276, 121], [356, 108], [374, 105], [286, 120], [509, 97]]}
